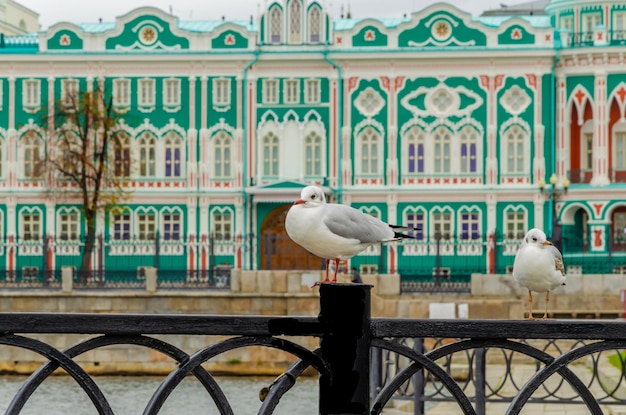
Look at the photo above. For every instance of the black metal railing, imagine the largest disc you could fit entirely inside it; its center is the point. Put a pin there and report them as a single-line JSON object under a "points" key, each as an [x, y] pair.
{"points": [[470, 364]]}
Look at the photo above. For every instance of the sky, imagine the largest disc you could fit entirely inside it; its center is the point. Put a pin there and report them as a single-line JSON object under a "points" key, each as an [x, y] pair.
{"points": [[86, 11]]}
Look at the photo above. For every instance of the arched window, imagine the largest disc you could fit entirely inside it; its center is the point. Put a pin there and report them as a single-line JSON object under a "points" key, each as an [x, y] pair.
{"points": [[515, 155], [270, 155], [369, 145], [173, 150], [315, 25], [32, 146], [295, 21], [121, 150], [468, 143], [222, 144], [441, 145], [415, 145], [147, 154], [313, 155], [276, 24]]}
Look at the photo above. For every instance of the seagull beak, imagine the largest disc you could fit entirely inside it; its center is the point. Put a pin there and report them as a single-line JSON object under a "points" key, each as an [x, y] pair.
{"points": [[547, 243], [299, 202]]}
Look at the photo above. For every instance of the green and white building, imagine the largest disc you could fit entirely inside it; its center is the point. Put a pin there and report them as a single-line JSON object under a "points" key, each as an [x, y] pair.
{"points": [[469, 127]]}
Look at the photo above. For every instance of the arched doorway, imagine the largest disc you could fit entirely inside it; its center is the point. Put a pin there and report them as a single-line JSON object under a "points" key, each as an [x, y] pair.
{"points": [[278, 251]]}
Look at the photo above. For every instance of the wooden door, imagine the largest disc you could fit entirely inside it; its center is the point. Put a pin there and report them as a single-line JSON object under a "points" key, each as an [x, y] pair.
{"points": [[278, 251]]}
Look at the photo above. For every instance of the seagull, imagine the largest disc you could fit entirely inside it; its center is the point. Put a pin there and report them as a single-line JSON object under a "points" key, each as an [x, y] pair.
{"points": [[539, 267], [334, 231]]}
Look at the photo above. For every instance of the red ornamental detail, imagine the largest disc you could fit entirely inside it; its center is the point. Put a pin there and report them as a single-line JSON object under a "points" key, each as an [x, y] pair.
{"points": [[532, 80], [352, 82], [484, 81], [597, 207], [384, 80], [580, 95], [597, 240], [65, 40], [516, 34], [548, 37], [399, 81], [600, 35], [499, 81], [370, 35], [229, 40], [621, 94], [339, 40]]}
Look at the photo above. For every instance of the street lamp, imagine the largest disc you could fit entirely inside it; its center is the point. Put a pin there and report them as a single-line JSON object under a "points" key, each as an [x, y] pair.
{"points": [[555, 192]]}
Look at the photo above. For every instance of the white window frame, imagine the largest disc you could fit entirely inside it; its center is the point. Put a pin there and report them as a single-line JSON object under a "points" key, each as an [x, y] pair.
{"points": [[295, 21], [313, 153], [370, 161], [31, 94], [445, 223], [121, 93], [270, 155], [586, 135], [68, 225], [518, 221], [442, 150], [222, 153], [146, 94], [171, 94], [619, 25], [291, 91], [146, 157], [125, 218], [146, 225], [619, 134], [315, 24], [474, 217], [33, 163], [275, 25], [312, 91], [222, 225], [221, 92], [70, 90], [270, 91], [523, 152], [175, 218], [172, 142], [31, 227]]}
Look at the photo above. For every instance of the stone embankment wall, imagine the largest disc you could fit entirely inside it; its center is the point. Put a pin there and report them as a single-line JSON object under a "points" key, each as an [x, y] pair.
{"points": [[286, 293]]}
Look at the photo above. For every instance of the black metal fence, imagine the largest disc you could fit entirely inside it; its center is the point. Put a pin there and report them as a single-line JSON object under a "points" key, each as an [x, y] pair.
{"points": [[444, 366]]}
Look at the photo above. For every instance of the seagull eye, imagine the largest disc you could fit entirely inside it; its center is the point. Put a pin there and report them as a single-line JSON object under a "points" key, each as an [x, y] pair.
{"points": [[534, 239], [313, 196]]}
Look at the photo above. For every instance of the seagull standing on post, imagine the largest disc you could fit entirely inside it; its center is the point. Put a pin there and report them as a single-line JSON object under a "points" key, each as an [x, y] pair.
{"points": [[539, 267], [334, 231]]}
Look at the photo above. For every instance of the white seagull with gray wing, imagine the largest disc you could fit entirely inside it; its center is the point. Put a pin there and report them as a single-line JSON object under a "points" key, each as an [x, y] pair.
{"points": [[334, 231], [539, 267]]}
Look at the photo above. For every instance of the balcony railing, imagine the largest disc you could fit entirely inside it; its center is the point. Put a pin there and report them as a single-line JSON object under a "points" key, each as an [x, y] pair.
{"points": [[469, 364]]}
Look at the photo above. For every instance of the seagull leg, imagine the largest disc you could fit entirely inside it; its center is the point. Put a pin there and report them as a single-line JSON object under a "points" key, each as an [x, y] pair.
{"points": [[327, 264], [530, 306], [545, 315], [337, 260]]}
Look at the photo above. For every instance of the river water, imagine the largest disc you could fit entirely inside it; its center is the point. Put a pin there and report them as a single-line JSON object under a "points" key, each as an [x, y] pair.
{"points": [[128, 395]]}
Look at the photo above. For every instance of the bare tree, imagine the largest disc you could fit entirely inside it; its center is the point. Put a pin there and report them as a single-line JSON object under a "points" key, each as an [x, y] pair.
{"points": [[87, 161]]}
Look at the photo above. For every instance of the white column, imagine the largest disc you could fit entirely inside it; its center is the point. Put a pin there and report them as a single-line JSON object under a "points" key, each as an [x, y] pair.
{"points": [[601, 132]]}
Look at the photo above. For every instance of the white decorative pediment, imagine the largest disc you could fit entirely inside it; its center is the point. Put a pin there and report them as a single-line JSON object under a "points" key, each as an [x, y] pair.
{"points": [[515, 100]]}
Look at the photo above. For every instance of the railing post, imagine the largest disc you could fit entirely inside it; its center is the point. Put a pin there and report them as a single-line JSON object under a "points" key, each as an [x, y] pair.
{"points": [[345, 309], [480, 380], [418, 380]]}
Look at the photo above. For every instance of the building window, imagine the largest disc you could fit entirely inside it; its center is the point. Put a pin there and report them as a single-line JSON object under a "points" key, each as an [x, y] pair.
{"points": [[470, 226], [171, 93], [515, 142], [146, 226], [222, 150], [31, 226], [312, 91], [173, 149], [313, 155], [146, 94], [514, 225], [31, 94], [586, 162], [442, 225], [468, 141], [121, 226], [417, 221], [590, 22], [315, 25], [121, 93], [33, 156], [69, 93], [68, 225], [121, 155], [147, 155], [270, 91], [221, 92], [292, 91], [222, 226], [369, 144], [276, 24], [295, 21], [441, 145], [619, 26], [567, 23], [415, 142], [270, 155], [171, 223]]}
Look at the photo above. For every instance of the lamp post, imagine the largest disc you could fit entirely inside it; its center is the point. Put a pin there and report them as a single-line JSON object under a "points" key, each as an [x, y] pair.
{"points": [[555, 192]]}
